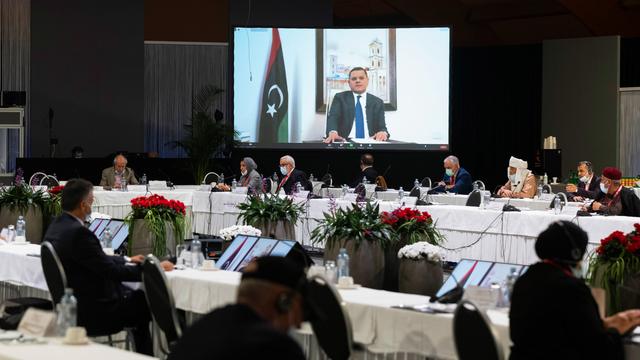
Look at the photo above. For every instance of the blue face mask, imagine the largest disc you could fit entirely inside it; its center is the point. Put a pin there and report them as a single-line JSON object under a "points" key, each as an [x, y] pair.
{"points": [[283, 170], [449, 172]]}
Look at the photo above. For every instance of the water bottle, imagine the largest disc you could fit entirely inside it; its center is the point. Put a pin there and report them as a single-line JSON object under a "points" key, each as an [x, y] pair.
{"points": [[234, 184], [330, 271], [67, 312], [221, 178], [196, 253], [143, 179], [416, 184], [540, 191], [298, 187], [400, 193], [364, 180], [311, 178], [11, 233], [507, 287], [107, 238], [557, 205], [545, 179], [123, 186], [475, 186], [275, 176], [21, 229], [345, 190], [343, 263]]}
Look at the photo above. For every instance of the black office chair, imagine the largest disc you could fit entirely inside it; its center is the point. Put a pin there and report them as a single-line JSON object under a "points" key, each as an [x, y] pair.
{"points": [[329, 320], [475, 198], [415, 192], [426, 182], [160, 302], [56, 279], [473, 334]]}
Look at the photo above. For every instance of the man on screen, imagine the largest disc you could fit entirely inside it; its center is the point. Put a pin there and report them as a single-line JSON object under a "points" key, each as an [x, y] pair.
{"points": [[355, 113]]}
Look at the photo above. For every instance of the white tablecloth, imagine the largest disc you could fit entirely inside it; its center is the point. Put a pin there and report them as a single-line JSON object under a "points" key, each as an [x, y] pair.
{"points": [[55, 350], [17, 266], [117, 204]]}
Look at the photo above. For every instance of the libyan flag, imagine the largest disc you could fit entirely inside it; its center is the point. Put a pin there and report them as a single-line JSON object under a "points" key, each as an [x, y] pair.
{"points": [[274, 117]]}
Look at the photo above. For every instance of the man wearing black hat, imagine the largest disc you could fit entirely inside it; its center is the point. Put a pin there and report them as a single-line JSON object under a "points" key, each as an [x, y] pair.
{"points": [[613, 198], [553, 314], [269, 303]]}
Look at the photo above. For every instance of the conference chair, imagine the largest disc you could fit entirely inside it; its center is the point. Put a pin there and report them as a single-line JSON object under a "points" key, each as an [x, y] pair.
{"points": [[56, 280], [473, 334], [160, 302], [426, 182], [208, 175], [329, 320], [475, 198]]}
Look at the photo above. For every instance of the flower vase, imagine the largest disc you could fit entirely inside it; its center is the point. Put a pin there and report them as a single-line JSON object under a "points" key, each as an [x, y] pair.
{"points": [[392, 264], [143, 240], [366, 261], [32, 217], [419, 276]]}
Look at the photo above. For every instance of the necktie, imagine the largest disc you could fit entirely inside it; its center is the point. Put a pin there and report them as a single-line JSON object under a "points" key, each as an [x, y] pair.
{"points": [[359, 120]]}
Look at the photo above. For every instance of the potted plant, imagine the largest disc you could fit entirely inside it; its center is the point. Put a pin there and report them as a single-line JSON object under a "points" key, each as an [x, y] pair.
{"points": [[615, 263], [363, 234], [420, 268], [410, 226], [155, 224], [206, 134], [275, 216]]}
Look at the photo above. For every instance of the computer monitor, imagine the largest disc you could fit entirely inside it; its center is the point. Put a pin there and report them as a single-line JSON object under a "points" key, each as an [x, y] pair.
{"points": [[479, 273], [245, 248], [118, 228]]}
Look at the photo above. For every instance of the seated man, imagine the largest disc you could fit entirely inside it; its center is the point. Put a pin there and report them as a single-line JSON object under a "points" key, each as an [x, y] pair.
{"points": [[522, 182], [290, 176], [552, 305], [366, 171], [355, 113], [269, 303], [613, 198], [113, 176], [589, 184], [456, 179], [250, 178], [105, 306]]}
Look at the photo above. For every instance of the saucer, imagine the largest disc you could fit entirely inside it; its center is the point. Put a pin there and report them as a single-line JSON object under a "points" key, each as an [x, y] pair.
{"points": [[83, 341], [348, 287]]}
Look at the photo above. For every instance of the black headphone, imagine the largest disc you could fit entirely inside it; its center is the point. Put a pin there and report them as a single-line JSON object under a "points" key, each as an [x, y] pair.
{"points": [[285, 299], [575, 252]]}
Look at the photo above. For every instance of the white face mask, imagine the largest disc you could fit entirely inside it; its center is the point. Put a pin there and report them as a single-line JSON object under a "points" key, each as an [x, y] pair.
{"points": [[243, 172], [603, 188], [283, 170], [512, 178], [584, 179]]}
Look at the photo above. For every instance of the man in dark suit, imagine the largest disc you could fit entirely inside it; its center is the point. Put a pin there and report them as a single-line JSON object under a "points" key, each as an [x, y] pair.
{"points": [[613, 198], [104, 305], [290, 176], [355, 113], [456, 179], [270, 301], [589, 185], [366, 171]]}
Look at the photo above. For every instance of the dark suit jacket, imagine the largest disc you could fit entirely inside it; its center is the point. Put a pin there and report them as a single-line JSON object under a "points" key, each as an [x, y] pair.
{"points": [[342, 113], [94, 276], [370, 173], [234, 332], [553, 316], [592, 191], [296, 176], [628, 198], [463, 183]]}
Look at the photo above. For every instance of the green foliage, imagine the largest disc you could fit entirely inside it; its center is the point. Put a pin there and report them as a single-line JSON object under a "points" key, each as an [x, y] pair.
{"points": [[358, 223], [260, 209], [204, 135], [22, 196]]}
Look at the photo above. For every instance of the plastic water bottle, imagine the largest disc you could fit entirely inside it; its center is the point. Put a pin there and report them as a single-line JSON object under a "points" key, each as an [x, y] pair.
{"points": [[107, 238], [540, 191], [196, 253], [416, 184], [345, 190], [298, 187], [311, 178], [11, 233], [507, 287], [343, 263], [557, 205], [364, 180], [21, 229], [400, 193], [123, 185], [475, 186], [545, 179], [234, 184], [221, 178], [67, 312], [143, 179], [275, 176]]}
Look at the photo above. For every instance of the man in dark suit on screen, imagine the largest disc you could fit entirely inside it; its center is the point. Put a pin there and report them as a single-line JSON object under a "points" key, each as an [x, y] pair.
{"points": [[355, 113]]}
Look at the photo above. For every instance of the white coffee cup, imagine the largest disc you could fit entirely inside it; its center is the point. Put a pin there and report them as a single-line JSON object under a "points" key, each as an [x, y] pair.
{"points": [[345, 281], [208, 264], [76, 334]]}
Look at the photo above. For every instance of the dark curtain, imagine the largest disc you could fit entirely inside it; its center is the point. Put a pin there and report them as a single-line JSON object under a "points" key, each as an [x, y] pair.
{"points": [[630, 62]]}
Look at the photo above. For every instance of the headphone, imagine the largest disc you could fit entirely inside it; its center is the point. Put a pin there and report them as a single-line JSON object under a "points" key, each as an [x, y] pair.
{"points": [[575, 252], [284, 302]]}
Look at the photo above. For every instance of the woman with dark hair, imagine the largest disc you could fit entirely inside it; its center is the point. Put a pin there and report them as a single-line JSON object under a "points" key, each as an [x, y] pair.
{"points": [[553, 314]]}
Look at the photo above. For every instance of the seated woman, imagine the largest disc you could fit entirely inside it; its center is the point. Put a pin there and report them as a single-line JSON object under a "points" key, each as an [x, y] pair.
{"points": [[522, 182], [250, 177], [553, 314]]}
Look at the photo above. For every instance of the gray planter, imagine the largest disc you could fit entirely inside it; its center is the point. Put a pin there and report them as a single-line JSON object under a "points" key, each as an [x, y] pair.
{"points": [[281, 230], [33, 218], [366, 261], [419, 277], [392, 264], [143, 239]]}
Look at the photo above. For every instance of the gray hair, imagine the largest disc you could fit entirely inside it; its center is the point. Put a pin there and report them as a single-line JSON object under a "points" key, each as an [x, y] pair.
{"points": [[588, 164], [122, 156], [454, 159], [289, 160], [250, 164]]}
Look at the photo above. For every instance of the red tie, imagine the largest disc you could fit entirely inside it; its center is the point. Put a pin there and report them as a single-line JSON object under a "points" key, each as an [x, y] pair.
{"points": [[284, 180]]}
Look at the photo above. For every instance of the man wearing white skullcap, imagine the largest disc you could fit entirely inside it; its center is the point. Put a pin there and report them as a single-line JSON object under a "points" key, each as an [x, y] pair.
{"points": [[522, 182]]}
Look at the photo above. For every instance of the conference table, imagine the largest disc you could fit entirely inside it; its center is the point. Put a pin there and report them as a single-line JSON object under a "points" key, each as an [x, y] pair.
{"points": [[471, 232], [54, 349], [376, 325]]}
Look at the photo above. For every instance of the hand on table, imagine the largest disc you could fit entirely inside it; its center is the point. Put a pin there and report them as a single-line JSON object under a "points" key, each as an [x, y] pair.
{"points": [[166, 265], [381, 136], [571, 188], [223, 187], [138, 259], [596, 206], [333, 136], [623, 321], [578, 199]]}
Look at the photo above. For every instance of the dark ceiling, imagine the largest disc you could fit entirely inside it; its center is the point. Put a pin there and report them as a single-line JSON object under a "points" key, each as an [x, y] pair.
{"points": [[498, 22]]}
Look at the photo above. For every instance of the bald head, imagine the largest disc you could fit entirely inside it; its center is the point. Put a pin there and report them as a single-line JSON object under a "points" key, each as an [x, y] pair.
{"points": [[120, 163]]}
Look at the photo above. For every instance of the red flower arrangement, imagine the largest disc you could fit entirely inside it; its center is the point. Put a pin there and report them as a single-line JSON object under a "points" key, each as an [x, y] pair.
{"points": [[413, 225], [56, 190], [158, 203], [614, 245]]}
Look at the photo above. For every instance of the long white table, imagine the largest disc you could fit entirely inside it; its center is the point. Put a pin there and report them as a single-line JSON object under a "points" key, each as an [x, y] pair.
{"points": [[54, 349]]}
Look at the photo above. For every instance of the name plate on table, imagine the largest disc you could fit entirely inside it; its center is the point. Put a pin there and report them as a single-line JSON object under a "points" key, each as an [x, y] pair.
{"points": [[36, 322], [495, 205], [139, 188], [483, 297], [302, 194], [240, 190], [546, 197]]}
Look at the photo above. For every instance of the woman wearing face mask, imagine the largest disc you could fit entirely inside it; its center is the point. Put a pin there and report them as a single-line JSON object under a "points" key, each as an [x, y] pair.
{"points": [[613, 198], [522, 182], [553, 314], [249, 177]]}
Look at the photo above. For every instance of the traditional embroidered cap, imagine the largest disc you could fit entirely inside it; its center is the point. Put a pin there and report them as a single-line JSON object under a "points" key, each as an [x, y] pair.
{"points": [[612, 173], [517, 163]]}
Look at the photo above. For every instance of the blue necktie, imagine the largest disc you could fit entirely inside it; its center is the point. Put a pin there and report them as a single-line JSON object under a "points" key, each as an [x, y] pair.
{"points": [[359, 120]]}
